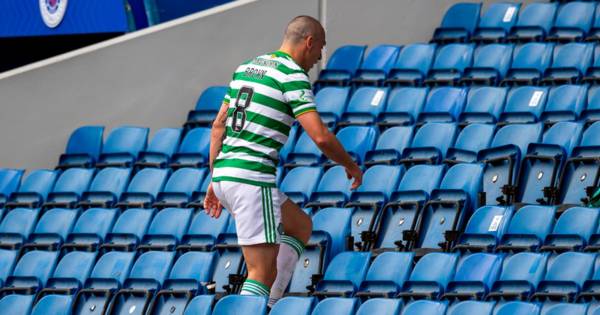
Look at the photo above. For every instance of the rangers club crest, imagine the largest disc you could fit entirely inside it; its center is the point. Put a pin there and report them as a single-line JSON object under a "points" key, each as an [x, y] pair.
{"points": [[53, 11]]}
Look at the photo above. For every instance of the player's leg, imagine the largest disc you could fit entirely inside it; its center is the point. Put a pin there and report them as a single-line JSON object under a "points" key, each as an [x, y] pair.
{"points": [[261, 263]]}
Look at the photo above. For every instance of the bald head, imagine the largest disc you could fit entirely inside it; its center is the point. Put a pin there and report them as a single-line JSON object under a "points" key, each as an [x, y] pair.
{"points": [[304, 40], [302, 27]]}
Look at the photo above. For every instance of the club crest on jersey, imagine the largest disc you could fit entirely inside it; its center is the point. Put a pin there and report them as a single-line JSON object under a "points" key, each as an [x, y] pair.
{"points": [[53, 11]]}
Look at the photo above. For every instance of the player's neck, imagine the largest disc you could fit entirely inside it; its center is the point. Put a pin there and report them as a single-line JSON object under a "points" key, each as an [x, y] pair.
{"points": [[294, 53]]}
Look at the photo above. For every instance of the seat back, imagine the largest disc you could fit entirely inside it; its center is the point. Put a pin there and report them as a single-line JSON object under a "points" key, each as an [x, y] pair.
{"points": [[525, 104], [484, 104], [148, 181], [293, 305], [424, 178], [111, 270], [39, 182], [232, 304], [301, 180], [197, 141], [86, 140], [347, 58], [532, 56], [332, 100], [56, 222], [74, 180], [19, 221], [150, 267], [129, 140], [500, 15], [518, 308], [165, 141], [113, 180], [200, 305], [33, 269], [565, 308], [380, 306], [334, 181], [522, 267], [575, 15], [471, 307], [536, 221], [565, 102], [576, 56], [395, 138], [348, 266], [381, 57], [381, 179], [462, 15], [95, 221], [435, 135], [211, 98], [407, 101], [368, 100], [196, 267], [73, 270], [444, 104], [170, 222], [453, 57], [538, 15], [416, 57], [424, 307], [402, 262], [493, 56], [434, 267], [336, 305], [185, 181]]}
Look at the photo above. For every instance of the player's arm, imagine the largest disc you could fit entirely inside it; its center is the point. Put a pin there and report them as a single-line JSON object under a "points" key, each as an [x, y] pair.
{"points": [[217, 133]]}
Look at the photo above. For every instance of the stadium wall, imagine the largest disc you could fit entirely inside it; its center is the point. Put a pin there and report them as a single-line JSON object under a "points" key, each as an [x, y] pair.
{"points": [[153, 77]]}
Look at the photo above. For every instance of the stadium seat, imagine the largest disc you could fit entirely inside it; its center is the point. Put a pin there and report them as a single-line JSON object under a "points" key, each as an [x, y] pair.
{"points": [[412, 65], [122, 147], [430, 144], [565, 103], [337, 306], [490, 65], [403, 106], [193, 151], [529, 63], [31, 273], [230, 263], [333, 189], [69, 187], [10, 180], [293, 305], [204, 231], [305, 153], [430, 276], [573, 22], [17, 304], [527, 229], [495, 24], [128, 230], [299, 191], [458, 24], [444, 104], [166, 229], [569, 63], [160, 149], [425, 308], [331, 103], [564, 308], [8, 259], [390, 145], [241, 304], [593, 72], [106, 188], [199, 305], [474, 276], [289, 145], [53, 304], [402, 212], [540, 168], [341, 66], [471, 307], [564, 277], [33, 190], [382, 281], [208, 105], [70, 274], [520, 275], [485, 229], [524, 104], [534, 22], [178, 190], [502, 161], [376, 66], [472, 139], [197, 200], [572, 230], [90, 229], [52, 229], [518, 308], [16, 227], [143, 188], [344, 274], [380, 306], [365, 105], [357, 140], [449, 64], [484, 105], [83, 148], [594, 30]]}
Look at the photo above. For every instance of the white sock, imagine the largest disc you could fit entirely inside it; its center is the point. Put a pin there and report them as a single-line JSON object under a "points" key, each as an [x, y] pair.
{"points": [[290, 250], [253, 287]]}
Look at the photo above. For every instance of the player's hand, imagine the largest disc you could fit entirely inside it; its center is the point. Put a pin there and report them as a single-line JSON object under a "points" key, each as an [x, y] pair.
{"points": [[212, 205], [356, 173]]}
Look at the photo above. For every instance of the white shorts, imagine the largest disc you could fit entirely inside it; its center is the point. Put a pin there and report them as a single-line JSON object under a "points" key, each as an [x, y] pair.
{"points": [[256, 210]]}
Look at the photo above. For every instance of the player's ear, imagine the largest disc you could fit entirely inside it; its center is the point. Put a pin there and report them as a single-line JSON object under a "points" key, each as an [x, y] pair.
{"points": [[310, 41]]}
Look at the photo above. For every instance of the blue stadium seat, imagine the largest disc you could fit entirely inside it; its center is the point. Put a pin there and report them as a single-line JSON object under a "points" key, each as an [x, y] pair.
{"points": [[518, 308], [484, 105], [593, 73], [490, 65], [573, 21], [208, 105], [344, 274], [412, 65], [430, 276], [193, 151], [595, 29], [83, 148], [16, 227], [520, 275], [380, 306], [528, 228], [333, 189], [293, 305], [565, 276], [167, 229], [53, 304], [200, 305], [129, 229], [569, 63], [376, 65], [403, 106], [472, 139], [474, 276], [90, 229], [529, 63], [589, 291], [495, 24], [364, 106], [341, 66], [503, 158], [383, 281], [52, 229], [449, 64], [402, 212], [204, 231], [197, 200], [106, 188], [444, 104], [179, 188], [305, 153], [230, 261], [572, 230], [430, 144], [300, 182], [458, 24], [34, 190], [69, 187], [565, 103], [471, 307], [31, 273], [539, 171], [232, 304], [564, 308], [524, 104], [485, 229], [122, 147], [357, 140], [160, 149], [425, 308], [337, 306], [70, 274], [390, 145], [8, 259], [143, 188], [289, 145], [331, 103], [534, 22], [17, 304], [10, 180]]}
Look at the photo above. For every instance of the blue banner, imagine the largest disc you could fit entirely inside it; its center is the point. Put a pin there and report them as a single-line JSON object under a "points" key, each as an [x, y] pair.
{"points": [[62, 17]]}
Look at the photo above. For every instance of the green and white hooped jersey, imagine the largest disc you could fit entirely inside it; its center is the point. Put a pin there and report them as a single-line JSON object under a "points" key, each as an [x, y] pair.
{"points": [[265, 96]]}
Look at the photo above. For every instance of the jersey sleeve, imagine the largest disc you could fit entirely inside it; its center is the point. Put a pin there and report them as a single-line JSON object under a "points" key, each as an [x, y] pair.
{"points": [[227, 97], [297, 92]]}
